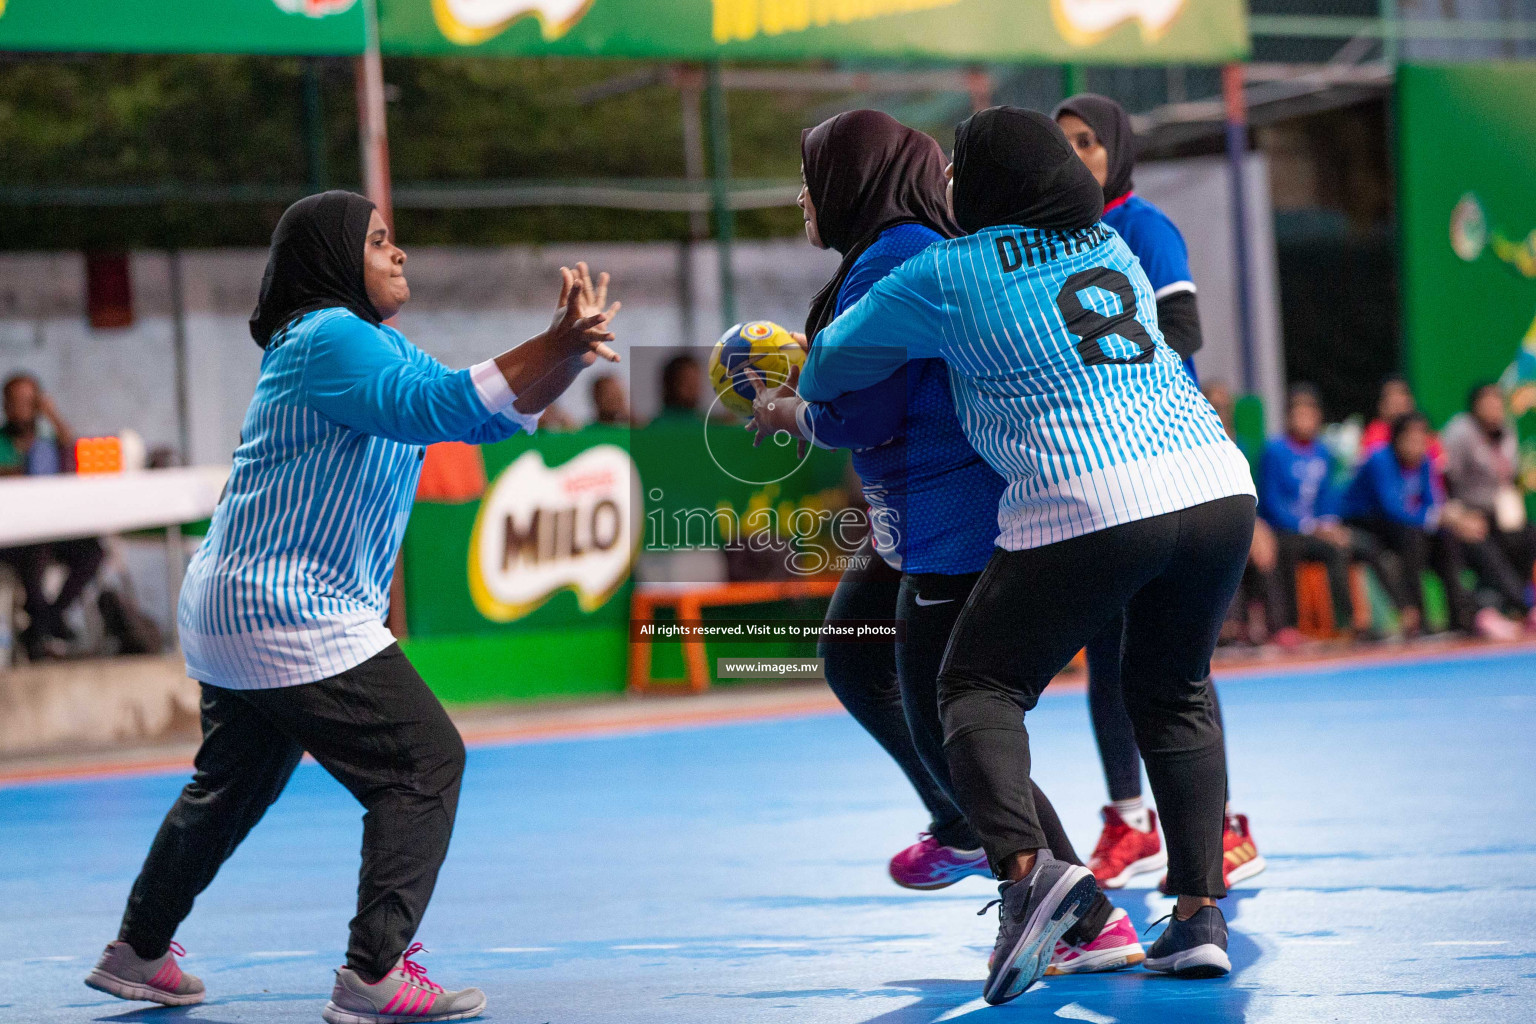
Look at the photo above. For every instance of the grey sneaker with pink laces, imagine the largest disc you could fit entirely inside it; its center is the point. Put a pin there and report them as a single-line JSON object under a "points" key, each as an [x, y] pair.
{"points": [[123, 973], [403, 996]]}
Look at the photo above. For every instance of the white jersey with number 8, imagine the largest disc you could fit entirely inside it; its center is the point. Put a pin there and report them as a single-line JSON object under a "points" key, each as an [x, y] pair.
{"points": [[1062, 380]]}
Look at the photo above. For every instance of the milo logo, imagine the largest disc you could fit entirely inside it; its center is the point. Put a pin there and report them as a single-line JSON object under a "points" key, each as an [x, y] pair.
{"points": [[544, 529]]}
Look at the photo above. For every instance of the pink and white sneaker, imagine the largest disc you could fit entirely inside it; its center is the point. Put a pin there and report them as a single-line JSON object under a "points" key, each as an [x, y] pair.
{"points": [[928, 865], [1117, 947], [123, 973], [403, 996]]}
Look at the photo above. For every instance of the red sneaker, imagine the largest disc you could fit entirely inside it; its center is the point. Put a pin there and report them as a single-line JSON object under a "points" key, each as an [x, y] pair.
{"points": [[1240, 858], [1123, 852]]}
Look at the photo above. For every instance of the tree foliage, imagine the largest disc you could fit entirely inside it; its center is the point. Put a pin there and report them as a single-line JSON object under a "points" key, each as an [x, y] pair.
{"points": [[136, 120]]}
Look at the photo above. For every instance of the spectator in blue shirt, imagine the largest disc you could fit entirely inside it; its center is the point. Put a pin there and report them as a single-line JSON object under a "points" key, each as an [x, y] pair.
{"points": [[1396, 498], [1297, 497]]}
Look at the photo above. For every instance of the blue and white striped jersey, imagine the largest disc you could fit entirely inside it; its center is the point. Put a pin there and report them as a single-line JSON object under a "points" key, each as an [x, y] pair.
{"points": [[291, 584], [1062, 380]]}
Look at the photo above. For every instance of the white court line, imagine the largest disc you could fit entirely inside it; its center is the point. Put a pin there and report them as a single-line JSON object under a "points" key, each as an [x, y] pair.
{"points": [[652, 945], [278, 954], [521, 949], [49, 959], [771, 945], [1471, 942], [1076, 1011], [1318, 942], [961, 1010]]}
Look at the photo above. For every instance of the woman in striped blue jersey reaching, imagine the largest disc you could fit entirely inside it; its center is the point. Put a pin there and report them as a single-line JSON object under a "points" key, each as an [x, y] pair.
{"points": [[1123, 495], [282, 612]]}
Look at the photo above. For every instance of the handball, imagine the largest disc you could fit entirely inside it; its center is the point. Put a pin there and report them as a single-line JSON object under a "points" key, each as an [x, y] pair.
{"points": [[759, 345]]}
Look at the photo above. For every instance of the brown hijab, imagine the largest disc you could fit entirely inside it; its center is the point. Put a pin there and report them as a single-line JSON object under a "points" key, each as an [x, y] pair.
{"points": [[867, 172]]}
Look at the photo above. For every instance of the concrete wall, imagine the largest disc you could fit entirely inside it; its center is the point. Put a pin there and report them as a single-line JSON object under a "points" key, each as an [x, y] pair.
{"points": [[1195, 194], [75, 705], [467, 304], [471, 303]]}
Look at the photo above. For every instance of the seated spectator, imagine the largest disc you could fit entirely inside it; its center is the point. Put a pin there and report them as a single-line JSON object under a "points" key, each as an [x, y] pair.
{"points": [[1396, 399], [1254, 615], [1395, 497], [682, 384], [610, 404], [1297, 498], [35, 441], [1481, 458]]}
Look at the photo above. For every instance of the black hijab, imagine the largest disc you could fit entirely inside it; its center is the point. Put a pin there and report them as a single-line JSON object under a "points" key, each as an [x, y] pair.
{"points": [[316, 261], [1112, 125], [866, 172], [1014, 166]]}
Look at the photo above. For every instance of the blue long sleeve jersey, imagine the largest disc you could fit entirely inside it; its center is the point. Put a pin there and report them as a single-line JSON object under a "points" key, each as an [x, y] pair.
{"points": [[932, 499], [1156, 243], [1063, 383], [291, 584], [1296, 491], [1382, 489]]}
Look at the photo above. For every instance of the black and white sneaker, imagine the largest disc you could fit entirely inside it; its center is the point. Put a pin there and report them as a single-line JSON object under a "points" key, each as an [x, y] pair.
{"points": [[1195, 948], [1032, 914]]}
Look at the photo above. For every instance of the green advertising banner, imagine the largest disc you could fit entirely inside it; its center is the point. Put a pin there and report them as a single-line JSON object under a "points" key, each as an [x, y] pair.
{"points": [[1468, 213], [183, 26], [525, 590], [1098, 31]]}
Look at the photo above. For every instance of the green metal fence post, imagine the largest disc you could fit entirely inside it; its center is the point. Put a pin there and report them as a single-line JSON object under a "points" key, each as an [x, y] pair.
{"points": [[725, 218]]}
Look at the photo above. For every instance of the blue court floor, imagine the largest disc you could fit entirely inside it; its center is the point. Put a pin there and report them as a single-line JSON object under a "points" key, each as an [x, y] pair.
{"points": [[736, 874]]}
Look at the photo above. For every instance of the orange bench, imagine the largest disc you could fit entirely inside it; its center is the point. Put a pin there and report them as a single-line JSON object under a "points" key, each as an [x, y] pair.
{"points": [[1315, 614], [688, 600]]}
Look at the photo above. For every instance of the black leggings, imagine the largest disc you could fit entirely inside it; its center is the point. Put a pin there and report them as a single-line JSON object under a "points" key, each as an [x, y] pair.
{"points": [[1173, 576], [1419, 550], [1112, 728], [865, 679], [381, 733]]}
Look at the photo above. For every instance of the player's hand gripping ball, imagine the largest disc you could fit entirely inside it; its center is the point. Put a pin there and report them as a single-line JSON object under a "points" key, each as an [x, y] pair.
{"points": [[759, 345]]}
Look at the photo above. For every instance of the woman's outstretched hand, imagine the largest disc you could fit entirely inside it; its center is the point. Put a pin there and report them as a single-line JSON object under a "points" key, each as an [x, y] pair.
{"points": [[581, 323], [774, 409]]}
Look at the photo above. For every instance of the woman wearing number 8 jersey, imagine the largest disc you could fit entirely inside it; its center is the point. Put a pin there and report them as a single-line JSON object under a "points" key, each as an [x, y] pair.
{"points": [[1123, 495]]}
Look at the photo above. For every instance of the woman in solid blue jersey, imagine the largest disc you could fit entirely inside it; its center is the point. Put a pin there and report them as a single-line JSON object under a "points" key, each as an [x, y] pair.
{"points": [[1100, 133], [1123, 496], [282, 612]]}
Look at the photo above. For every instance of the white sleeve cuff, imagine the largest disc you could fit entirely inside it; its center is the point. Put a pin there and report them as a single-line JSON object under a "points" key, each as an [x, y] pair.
{"points": [[492, 387], [529, 421], [1174, 289]]}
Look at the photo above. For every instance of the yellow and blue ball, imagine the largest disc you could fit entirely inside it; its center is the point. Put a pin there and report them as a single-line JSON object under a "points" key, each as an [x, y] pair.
{"points": [[760, 345]]}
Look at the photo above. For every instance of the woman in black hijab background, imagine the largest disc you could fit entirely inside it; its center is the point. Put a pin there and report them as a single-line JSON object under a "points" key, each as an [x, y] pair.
{"points": [[1100, 132], [281, 615]]}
